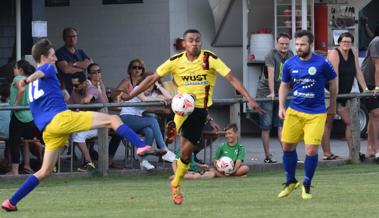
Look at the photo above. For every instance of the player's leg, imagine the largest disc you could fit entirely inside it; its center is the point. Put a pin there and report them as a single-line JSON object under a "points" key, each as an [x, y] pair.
{"points": [[291, 134], [49, 160], [313, 132], [191, 130], [102, 120]]}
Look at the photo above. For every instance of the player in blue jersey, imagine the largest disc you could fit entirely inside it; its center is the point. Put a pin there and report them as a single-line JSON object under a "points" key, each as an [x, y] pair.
{"points": [[52, 116], [307, 73]]}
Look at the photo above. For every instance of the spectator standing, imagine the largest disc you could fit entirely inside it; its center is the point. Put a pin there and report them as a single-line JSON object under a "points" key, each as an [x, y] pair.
{"points": [[268, 88], [70, 58], [345, 62], [370, 68], [21, 124]]}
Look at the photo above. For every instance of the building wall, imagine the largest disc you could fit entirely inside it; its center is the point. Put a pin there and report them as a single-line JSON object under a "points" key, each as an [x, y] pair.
{"points": [[7, 30], [115, 34], [122, 32]]}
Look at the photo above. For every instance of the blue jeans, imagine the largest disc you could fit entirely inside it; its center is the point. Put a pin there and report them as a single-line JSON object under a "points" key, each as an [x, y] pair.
{"points": [[270, 118], [148, 126]]}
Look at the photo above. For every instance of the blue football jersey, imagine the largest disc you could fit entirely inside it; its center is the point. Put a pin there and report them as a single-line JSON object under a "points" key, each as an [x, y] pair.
{"points": [[308, 80], [45, 96]]}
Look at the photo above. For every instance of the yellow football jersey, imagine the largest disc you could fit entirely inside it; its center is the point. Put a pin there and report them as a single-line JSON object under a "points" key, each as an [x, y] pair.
{"points": [[197, 78]]}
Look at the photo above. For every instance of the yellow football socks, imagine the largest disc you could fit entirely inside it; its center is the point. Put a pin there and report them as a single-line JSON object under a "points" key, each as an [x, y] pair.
{"points": [[180, 172]]}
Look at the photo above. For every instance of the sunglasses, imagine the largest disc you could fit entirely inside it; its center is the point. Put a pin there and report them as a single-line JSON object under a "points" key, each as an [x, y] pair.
{"points": [[137, 67], [95, 71]]}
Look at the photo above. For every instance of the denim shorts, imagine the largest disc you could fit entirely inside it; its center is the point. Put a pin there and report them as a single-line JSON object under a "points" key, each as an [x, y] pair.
{"points": [[270, 118]]}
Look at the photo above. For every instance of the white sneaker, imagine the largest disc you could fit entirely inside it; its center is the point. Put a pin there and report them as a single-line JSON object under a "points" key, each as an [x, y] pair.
{"points": [[169, 156], [146, 165]]}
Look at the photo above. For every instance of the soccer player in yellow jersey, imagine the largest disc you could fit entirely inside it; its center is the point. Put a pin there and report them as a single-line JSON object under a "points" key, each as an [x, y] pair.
{"points": [[194, 72]]}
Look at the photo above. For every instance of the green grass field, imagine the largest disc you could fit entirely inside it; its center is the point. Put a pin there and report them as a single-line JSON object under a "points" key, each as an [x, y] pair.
{"points": [[345, 191]]}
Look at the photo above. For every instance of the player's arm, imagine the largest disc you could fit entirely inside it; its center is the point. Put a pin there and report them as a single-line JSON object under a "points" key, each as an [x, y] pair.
{"points": [[145, 84], [283, 93], [270, 74], [236, 83], [36, 75]]}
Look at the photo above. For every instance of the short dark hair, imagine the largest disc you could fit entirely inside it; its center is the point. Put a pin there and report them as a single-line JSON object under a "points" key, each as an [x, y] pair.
{"points": [[308, 34], [284, 35], [231, 126], [347, 35], [26, 67], [80, 76], [191, 31], [68, 29], [42, 47]]}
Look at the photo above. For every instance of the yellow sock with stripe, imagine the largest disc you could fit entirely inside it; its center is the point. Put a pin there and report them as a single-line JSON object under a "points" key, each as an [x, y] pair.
{"points": [[181, 170]]}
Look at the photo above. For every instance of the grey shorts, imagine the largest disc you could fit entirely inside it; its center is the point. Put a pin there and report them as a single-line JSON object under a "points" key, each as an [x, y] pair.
{"points": [[270, 118]]}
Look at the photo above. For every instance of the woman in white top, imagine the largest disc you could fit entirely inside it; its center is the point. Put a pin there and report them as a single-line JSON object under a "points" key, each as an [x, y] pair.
{"points": [[146, 125]]}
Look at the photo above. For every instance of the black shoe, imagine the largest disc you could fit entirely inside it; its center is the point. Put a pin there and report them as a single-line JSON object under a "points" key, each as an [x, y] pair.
{"points": [[269, 159], [87, 166]]}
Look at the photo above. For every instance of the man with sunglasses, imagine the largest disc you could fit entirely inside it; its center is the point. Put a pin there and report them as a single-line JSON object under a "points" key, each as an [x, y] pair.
{"points": [[70, 58], [194, 72], [83, 93]]}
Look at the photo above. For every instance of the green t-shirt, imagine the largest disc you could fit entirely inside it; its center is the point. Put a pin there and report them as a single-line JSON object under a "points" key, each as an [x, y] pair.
{"points": [[24, 116], [192, 164], [236, 152]]}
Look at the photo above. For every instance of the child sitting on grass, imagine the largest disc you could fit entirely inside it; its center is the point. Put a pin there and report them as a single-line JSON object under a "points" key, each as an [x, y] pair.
{"points": [[233, 149]]}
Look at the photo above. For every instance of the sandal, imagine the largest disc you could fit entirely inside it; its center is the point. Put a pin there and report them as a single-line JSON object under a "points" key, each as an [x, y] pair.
{"points": [[27, 171], [330, 157]]}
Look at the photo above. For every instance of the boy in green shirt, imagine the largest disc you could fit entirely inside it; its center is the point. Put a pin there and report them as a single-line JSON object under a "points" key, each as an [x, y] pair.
{"points": [[231, 148]]}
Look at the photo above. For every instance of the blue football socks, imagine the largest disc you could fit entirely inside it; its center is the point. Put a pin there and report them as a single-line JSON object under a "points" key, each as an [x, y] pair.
{"points": [[130, 135], [310, 165], [289, 164], [30, 183]]}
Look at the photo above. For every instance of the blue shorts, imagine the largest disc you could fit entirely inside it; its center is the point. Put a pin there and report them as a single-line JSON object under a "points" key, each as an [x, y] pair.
{"points": [[270, 118]]}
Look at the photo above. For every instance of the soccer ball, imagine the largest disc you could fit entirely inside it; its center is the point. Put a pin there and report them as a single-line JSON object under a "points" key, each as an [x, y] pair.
{"points": [[225, 164], [183, 104]]}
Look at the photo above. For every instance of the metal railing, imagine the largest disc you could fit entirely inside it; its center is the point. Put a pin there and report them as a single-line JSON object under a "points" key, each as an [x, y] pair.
{"points": [[235, 117]]}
